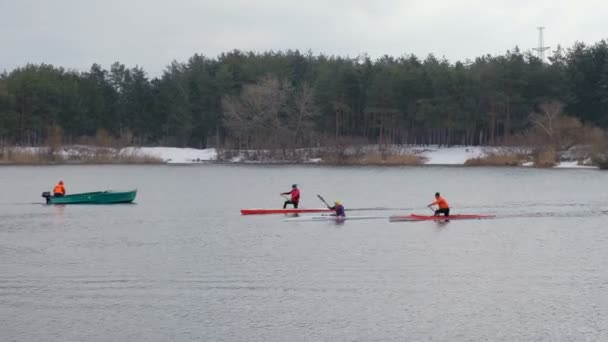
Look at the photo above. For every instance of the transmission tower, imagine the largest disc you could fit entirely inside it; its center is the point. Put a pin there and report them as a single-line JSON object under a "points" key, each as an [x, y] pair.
{"points": [[541, 45]]}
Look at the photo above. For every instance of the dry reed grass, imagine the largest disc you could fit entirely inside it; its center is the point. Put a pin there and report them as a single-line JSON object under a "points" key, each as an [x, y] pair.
{"points": [[25, 156], [89, 155], [374, 158], [497, 159], [545, 158]]}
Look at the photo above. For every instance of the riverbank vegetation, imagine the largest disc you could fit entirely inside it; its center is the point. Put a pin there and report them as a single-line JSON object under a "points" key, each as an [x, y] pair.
{"points": [[289, 101], [102, 149], [551, 137], [378, 159], [370, 155], [74, 155], [499, 158]]}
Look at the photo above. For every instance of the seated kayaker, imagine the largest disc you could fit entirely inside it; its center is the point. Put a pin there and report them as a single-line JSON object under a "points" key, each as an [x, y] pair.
{"points": [[338, 208], [59, 189], [444, 207], [295, 196]]}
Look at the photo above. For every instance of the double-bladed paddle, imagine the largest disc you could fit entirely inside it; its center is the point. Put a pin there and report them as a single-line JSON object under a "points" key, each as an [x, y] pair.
{"points": [[323, 200]]}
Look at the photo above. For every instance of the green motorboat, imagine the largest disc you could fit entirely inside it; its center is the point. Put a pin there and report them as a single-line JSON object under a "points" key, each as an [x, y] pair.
{"points": [[98, 197]]}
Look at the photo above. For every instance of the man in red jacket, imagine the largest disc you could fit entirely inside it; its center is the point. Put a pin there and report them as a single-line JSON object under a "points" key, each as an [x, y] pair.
{"points": [[295, 196]]}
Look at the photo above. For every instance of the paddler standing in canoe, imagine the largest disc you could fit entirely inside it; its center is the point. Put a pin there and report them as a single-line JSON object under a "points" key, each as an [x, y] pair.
{"points": [[444, 207], [338, 208], [295, 196]]}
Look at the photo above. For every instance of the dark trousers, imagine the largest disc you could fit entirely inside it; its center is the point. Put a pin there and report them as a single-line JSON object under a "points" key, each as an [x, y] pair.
{"points": [[445, 212], [58, 194], [295, 204]]}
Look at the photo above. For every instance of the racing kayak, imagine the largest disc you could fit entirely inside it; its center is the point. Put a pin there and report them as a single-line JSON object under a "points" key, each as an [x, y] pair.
{"points": [[414, 217], [259, 211], [332, 218]]}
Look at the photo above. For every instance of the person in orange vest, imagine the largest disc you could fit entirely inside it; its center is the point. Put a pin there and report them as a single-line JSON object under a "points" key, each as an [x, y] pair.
{"points": [[444, 207], [59, 189]]}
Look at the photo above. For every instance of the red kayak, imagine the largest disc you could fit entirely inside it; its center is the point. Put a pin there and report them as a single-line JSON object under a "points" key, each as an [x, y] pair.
{"points": [[414, 217], [282, 211]]}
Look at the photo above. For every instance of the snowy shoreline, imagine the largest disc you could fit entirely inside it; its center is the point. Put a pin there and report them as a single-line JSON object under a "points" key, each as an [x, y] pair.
{"points": [[431, 155]]}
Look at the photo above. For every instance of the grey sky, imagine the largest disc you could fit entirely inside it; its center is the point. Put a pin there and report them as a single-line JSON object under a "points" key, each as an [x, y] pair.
{"points": [[152, 33]]}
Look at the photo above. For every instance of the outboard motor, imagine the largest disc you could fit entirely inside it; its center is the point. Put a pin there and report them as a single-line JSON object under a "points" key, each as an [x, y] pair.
{"points": [[46, 195]]}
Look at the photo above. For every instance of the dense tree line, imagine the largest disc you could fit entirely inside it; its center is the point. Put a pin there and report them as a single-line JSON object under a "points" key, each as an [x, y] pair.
{"points": [[291, 99]]}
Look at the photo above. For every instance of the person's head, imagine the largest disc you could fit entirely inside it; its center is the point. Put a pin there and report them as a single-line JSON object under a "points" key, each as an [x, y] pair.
{"points": [[294, 186], [337, 202], [61, 182], [437, 194]]}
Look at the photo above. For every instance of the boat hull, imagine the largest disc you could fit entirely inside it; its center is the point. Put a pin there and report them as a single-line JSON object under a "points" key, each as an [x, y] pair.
{"points": [[97, 197], [260, 211], [331, 218], [414, 217]]}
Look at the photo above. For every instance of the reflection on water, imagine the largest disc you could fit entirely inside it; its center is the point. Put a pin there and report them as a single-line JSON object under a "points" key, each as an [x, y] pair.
{"points": [[442, 224], [58, 209], [183, 264]]}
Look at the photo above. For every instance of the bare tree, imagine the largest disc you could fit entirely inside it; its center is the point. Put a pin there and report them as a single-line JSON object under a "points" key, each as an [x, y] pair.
{"points": [[554, 129], [304, 113], [270, 114], [253, 117], [546, 121]]}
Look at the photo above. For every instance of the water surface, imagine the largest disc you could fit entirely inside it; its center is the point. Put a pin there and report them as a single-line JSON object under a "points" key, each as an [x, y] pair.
{"points": [[182, 264]]}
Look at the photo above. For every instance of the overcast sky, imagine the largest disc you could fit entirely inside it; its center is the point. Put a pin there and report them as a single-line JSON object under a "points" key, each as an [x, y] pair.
{"points": [[152, 33]]}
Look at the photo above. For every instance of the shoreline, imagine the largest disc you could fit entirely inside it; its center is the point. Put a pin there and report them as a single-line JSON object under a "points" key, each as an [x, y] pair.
{"points": [[194, 164], [368, 156]]}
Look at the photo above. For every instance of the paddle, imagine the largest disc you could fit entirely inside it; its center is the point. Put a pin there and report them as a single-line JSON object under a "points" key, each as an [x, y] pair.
{"points": [[433, 210], [375, 208], [323, 200]]}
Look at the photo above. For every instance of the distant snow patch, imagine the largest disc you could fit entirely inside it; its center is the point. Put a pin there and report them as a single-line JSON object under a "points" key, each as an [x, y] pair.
{"points": [[573, 165], [176, 155], [448, 155]]}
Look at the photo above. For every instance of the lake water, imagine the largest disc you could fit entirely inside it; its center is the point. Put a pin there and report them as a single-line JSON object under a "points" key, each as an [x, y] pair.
{"points": [[182, 264]]}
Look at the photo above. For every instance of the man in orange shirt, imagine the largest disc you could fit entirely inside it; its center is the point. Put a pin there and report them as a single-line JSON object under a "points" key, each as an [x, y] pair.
{"points": [[59, 189], [444, 207]]}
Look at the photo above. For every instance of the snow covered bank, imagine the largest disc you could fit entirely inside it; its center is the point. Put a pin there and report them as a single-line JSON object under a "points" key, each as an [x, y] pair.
{"points": [[432, 155], [573, 165], [459, 155], [76, 154], [175, 155], [449, 155]]}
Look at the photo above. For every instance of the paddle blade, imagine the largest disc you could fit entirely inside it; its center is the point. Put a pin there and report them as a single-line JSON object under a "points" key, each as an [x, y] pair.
{"points": [[323, 200]]}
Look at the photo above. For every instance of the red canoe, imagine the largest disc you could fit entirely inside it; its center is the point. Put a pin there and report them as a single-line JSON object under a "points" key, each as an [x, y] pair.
{"points": [[414, 217], [282, 211]]}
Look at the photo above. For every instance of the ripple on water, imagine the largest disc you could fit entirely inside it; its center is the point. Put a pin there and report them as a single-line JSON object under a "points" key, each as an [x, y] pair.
{"points": [[183, 264]]}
